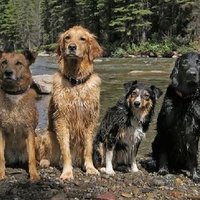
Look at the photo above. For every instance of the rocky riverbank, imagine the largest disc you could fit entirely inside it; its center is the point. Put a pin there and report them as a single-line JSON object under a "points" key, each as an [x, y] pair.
{"points": [[142, 185]]}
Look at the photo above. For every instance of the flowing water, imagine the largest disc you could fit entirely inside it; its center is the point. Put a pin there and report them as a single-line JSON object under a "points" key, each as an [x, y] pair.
{"points": [[114, 72]]}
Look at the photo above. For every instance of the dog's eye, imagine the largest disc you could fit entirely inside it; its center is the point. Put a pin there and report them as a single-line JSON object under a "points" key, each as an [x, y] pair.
{"points": [[134, 94], [146, 96], [18, 63], [4, 62], [67, 37], [82, 39], [198, 62], [185, 62]]}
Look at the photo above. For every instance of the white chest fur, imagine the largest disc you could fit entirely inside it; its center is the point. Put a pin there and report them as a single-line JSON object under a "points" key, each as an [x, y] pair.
{"points": [[14, 98], [134, 132]]}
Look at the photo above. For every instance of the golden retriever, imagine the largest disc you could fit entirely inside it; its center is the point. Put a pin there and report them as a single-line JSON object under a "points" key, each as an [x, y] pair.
{"points": [[74, 104], [18, 116]]}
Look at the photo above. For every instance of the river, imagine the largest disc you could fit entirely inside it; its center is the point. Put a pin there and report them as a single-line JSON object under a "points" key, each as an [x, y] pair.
{"points": [[114, 72]]}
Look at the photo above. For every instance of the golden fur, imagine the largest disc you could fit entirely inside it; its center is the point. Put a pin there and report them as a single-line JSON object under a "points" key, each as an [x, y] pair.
{"points": [[74, 106], [18, 116]]}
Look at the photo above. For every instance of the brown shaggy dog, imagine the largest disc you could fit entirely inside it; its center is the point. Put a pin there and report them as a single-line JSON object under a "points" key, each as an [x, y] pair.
{"points": [[18, 116], [74, 105]]}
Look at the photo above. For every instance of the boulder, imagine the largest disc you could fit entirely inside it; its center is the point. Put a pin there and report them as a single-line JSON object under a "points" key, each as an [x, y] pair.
{"points": [[42, 83]]}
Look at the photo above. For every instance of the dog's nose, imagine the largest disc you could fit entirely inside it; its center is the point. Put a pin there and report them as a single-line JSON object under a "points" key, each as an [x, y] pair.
{"points": [[193, 74], [136, 103], [72, 47], [8, 72]]}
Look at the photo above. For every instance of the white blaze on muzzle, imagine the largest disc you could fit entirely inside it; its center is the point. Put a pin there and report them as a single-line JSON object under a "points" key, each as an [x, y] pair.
{"points": [[137, 102]]}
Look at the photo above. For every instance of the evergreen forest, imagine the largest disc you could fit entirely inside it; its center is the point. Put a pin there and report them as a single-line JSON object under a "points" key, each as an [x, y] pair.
{"points": [[122, 27]]}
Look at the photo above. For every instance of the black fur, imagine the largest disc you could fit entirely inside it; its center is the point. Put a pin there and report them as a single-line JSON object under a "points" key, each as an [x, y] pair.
{"points": [[175, 146], [121, 118]]}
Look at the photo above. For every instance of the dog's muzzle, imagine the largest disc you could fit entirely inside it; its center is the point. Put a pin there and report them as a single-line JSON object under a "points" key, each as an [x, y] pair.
{"points": [[137, 104], [192, 76], [71, 51], [9, 75]]}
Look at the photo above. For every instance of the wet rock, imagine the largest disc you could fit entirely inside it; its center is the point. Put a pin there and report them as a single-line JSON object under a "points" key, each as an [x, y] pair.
{"points": [[147, 190], [42, 83], [135, 191], [176, 193], [178, 182], [157, 181], [107, 196], [127, 195], [59, 196], [151, 195], [170, 179], [194, 197]]}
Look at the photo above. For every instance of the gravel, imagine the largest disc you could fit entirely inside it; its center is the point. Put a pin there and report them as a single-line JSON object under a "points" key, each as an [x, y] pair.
{"points": [[145, 184]]}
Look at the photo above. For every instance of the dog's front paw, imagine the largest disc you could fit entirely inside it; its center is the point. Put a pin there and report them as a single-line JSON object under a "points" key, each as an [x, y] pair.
{"points": [[67, 175], [195, 177], [134, 168], [163, 171], [110, 171], [2, 175], [34, 177], [103, 170], [44, 163], [92, 170], [107, 171]]}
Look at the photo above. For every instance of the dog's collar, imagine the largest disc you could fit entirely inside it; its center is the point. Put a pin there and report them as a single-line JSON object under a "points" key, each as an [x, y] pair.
{"points": [[189, 96], [74, 81], [15, 92]]}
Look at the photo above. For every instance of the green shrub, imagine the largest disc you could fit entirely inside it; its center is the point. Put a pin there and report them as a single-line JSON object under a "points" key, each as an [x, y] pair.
{"points": [[152, 48], [119, 52], [49, 47]]}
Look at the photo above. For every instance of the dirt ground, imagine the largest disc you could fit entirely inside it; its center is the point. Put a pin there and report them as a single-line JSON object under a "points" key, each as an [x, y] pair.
{"points": [[142, 185]]}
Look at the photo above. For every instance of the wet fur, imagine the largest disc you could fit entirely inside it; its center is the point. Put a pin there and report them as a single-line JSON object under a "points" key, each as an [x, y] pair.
{"points": [[175, 146], [123, 128], [18, 116], [74, 107]]}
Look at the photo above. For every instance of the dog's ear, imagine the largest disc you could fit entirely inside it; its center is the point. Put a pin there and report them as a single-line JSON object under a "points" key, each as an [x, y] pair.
{"points": [[59, 48], [95, 50], [1, 52], [30, 55], [174, 73], [157, 91], [128, 86]]}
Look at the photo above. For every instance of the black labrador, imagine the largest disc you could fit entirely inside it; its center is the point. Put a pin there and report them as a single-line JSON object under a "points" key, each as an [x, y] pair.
{"points": [[175, 146]]}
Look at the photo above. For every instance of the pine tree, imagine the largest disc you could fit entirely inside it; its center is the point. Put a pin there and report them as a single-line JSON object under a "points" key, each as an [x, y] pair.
{"points": [[20, 24], [171, 17], [131, 19]]}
